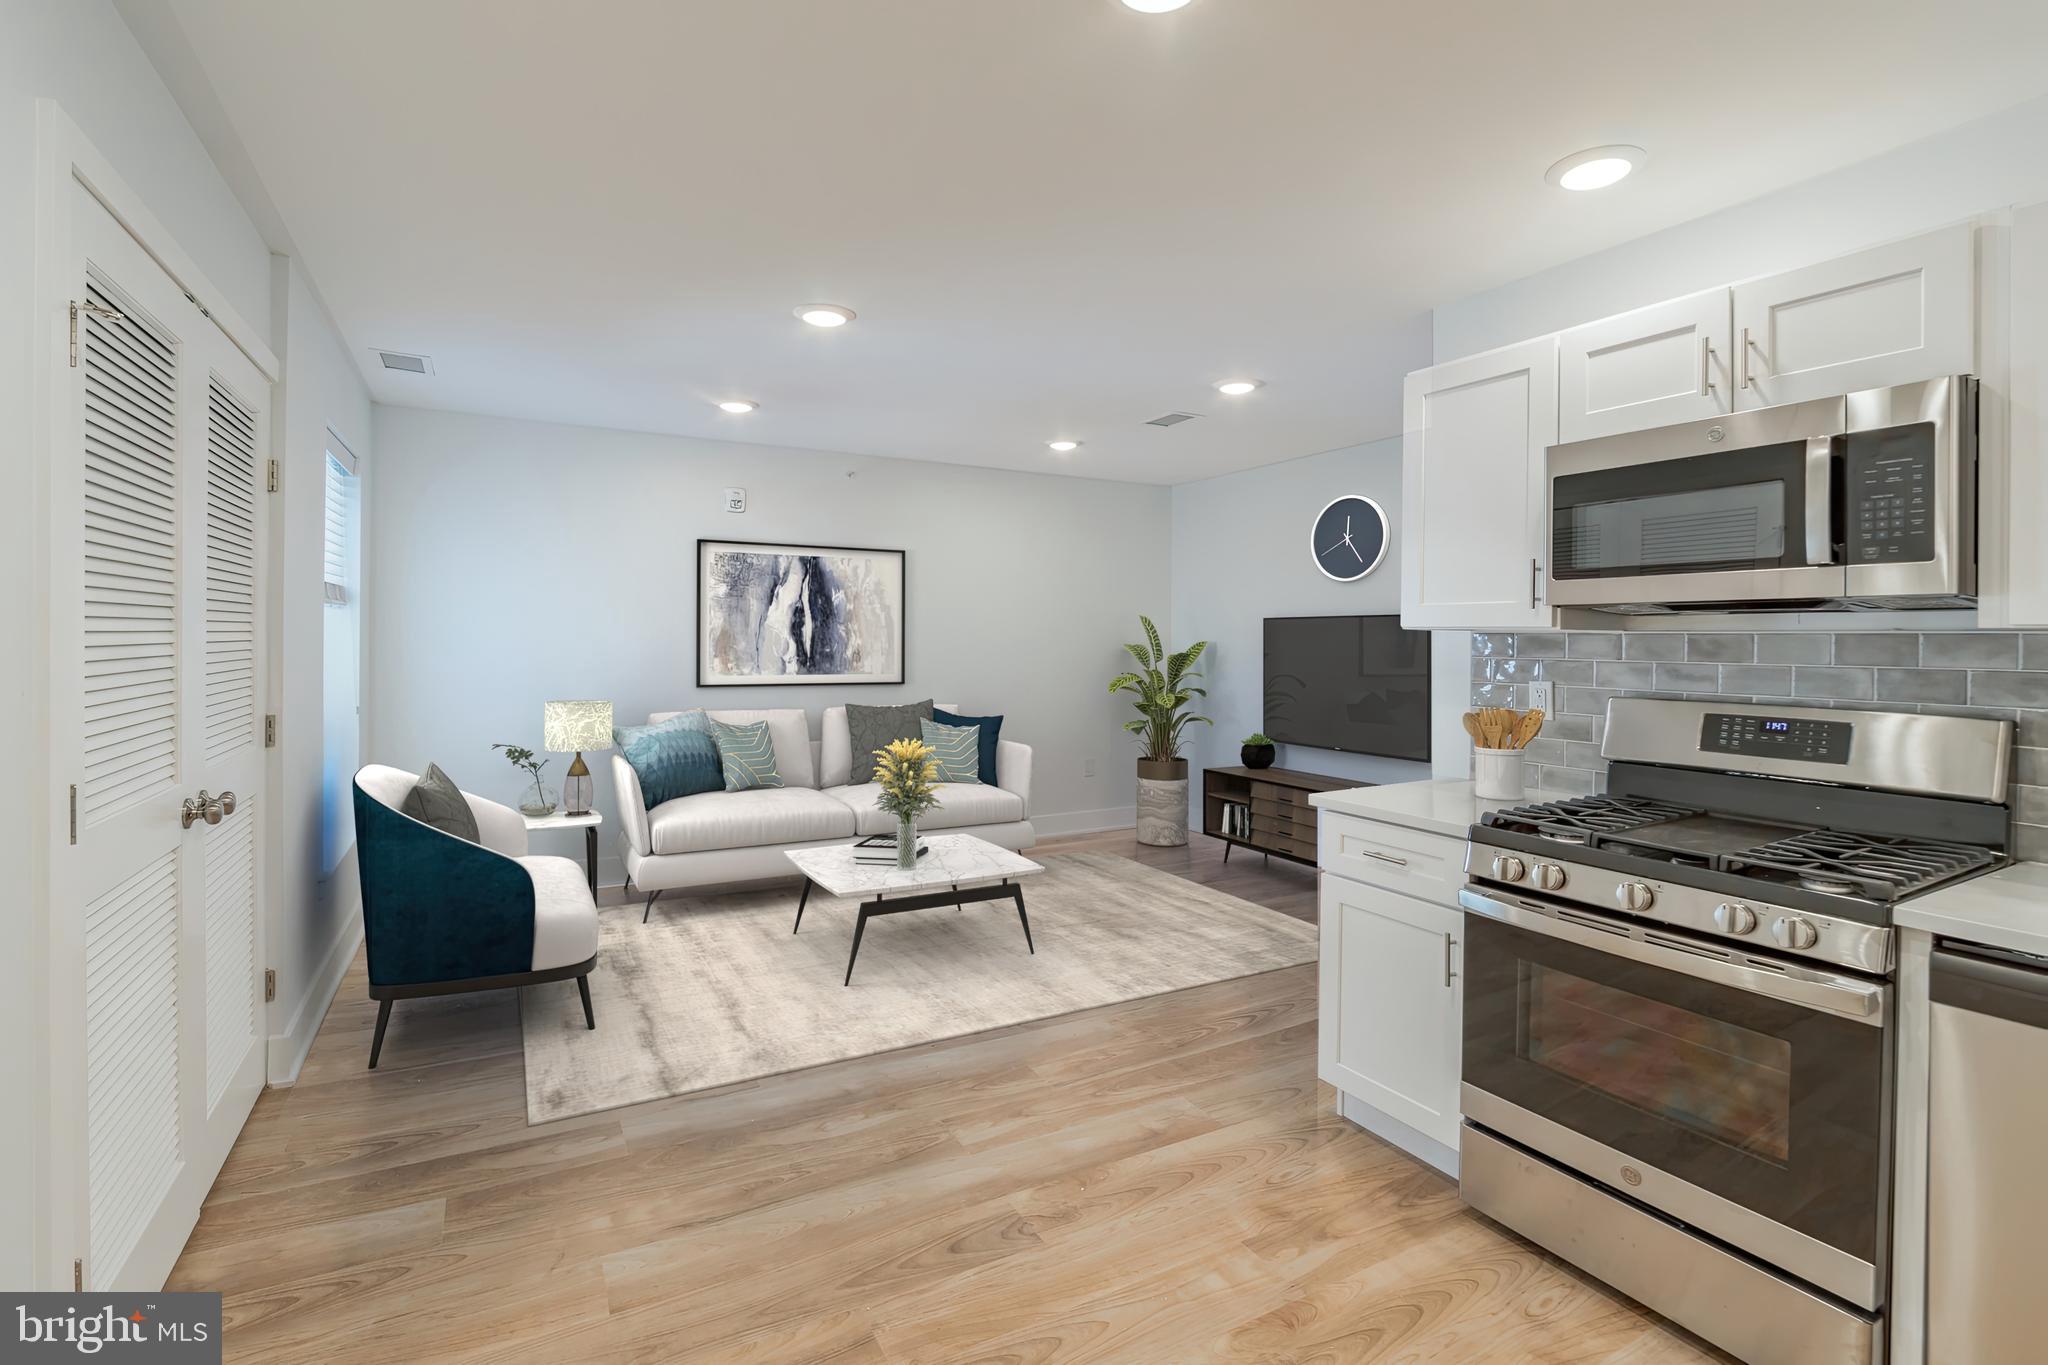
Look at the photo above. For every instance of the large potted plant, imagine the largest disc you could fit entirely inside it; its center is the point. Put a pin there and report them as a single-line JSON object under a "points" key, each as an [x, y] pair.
{"points": [[1162, 687]]}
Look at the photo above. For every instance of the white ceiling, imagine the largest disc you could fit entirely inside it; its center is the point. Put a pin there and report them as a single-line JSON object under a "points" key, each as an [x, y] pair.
{"points": [[1054, 217]]}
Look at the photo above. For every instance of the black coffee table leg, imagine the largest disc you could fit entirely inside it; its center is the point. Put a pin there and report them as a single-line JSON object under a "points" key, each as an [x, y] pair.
{"points": [[859, 926], [801, 901], [1017, 895]]}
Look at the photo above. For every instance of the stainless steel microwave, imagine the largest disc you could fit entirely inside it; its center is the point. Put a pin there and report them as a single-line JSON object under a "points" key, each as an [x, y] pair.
{"points": [[1864, 501]]}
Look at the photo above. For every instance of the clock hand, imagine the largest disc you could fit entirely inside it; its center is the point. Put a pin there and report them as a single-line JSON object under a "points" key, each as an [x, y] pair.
{"points": [[1354, 549], [1333, 546], [1347, 528]]}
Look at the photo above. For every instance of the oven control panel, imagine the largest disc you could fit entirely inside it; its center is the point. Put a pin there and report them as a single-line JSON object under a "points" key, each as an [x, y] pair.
{"points": [[1808, 741], [1890, 492]]}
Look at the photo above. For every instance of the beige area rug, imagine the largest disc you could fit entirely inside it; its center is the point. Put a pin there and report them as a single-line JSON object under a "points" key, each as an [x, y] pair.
{"points": [[716, 989]]}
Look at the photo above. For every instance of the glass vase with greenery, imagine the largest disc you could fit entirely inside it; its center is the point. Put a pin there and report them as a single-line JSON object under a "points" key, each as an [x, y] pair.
{"points": [[1162, 687], [908, 772], [538, 800]]}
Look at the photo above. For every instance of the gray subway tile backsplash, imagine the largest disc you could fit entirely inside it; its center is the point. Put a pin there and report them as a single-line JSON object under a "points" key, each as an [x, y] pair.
{"points": [[1795, 649], [1721, 649], [1995, 674]]}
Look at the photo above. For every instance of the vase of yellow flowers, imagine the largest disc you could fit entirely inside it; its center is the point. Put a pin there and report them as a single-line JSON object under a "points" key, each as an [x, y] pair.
{"points": [[908, 772]]}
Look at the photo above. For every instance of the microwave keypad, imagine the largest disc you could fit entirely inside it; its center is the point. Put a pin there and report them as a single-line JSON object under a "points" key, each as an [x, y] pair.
{"points": [[1807, 741], [1891, 495]]}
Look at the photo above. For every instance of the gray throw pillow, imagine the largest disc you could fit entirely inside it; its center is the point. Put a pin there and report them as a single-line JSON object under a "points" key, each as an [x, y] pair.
{"points": [[436, 800], [877, 727]]}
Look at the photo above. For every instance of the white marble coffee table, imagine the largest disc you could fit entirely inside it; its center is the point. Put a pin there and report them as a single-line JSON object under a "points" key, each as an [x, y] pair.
{"points": [[950, 860]]}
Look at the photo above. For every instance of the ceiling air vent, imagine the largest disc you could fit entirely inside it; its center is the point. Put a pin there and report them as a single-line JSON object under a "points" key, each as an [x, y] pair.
{"points": [[1173, 419], [408, 364]]}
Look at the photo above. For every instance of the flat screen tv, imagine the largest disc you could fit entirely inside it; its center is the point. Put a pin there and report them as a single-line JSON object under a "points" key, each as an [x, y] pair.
{"points": [[1357, 684]]}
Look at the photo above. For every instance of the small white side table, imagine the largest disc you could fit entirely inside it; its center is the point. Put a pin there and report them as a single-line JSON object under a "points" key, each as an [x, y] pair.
{"points": [[588, 823]]}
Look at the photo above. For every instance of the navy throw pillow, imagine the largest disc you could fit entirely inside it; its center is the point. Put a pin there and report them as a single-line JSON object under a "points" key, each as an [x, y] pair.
{"points": [[674, 757], [991, 730]]}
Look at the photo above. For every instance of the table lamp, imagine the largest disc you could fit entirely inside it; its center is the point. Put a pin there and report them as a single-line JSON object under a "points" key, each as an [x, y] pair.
{"points": [[572, 727]]}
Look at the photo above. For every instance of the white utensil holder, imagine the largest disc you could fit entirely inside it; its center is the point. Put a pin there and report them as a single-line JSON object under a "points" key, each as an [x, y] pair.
{"points": [[1497, 774]]}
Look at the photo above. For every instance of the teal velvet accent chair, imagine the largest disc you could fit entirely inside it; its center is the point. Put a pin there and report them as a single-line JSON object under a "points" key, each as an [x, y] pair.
{"points": [[443, 916]]}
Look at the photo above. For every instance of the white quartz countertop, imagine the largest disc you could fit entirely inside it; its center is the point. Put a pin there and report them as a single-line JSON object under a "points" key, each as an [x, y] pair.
{"points": [[2005, 909], [1442, 806]]}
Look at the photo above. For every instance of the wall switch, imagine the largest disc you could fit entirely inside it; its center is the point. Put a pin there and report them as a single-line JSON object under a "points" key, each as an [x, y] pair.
{"points": [[1088, 768], [735, 499], [1539, 697]]}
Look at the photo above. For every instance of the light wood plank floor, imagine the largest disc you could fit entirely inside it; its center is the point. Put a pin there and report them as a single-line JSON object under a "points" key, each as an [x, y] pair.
{"points": [[1158, 1181]]}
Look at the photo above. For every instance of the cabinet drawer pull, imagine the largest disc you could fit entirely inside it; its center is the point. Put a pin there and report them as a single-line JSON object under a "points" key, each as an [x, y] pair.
{"points": [[1385, 857]]}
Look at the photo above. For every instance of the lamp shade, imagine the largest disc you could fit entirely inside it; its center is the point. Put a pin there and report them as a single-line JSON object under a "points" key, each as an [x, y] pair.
{"points": [[574, 727]]}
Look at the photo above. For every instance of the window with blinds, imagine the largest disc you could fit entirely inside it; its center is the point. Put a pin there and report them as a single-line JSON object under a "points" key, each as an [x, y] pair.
{"points": [[341, 528]]}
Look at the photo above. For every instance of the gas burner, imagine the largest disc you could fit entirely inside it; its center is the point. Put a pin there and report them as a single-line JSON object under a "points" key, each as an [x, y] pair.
{"points": [[1583, 819], [1873, 866]]}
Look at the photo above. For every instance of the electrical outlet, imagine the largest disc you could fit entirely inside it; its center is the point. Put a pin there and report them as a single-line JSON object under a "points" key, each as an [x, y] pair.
{"points": [[1088, 768], [1539, 697]]}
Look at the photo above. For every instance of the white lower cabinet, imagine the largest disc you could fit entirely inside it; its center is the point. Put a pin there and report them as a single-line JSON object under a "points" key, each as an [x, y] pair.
{"points": [[1391, 988]]}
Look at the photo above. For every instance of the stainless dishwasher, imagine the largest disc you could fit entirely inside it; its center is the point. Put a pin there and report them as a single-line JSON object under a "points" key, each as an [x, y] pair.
{"points": [[1987, 1198]]}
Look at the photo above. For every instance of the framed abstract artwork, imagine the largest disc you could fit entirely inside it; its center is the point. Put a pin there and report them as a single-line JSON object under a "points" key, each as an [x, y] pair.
{"points": [[772, 615]]}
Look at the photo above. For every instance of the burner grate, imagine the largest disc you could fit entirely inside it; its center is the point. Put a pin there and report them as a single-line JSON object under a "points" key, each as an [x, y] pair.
{"points": [[1581, 819], [1862, 864]]}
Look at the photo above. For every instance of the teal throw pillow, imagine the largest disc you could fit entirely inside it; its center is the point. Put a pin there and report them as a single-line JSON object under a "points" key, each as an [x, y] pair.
{"points": [[746, 754], [956, 749], [991, 728], [673, 757]]}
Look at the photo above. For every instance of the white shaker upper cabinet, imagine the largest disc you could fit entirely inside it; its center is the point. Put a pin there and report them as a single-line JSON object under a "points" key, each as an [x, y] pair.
{"points": [[1473, 494], [1650, 368], [1890, 315], [2013, 482]]}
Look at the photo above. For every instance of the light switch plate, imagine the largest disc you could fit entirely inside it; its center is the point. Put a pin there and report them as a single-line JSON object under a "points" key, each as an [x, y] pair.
{"points": [[1539, 698], [735, 499]]}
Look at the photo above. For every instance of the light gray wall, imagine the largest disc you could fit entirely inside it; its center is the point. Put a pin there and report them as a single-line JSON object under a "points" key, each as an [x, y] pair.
{"points": [[78, 53], [1240, 554], [511, 562], [311, 921]]}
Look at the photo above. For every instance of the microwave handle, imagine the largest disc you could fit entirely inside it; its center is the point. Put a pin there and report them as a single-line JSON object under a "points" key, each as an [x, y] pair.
{"points": [[1820, 500]]}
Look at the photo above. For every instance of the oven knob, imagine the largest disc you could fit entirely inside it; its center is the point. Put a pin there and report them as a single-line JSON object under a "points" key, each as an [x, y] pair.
{"points": [[1634, 896], [1508, 868], [1794, 932], [1733, 917], [1549, 876]]}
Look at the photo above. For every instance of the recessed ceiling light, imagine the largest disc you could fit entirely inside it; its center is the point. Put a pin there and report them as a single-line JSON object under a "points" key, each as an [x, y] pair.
{"points": [[1155, 6], [1596, 168], [1063, 446], [825, 314], [1238, 388], [738, 407]]}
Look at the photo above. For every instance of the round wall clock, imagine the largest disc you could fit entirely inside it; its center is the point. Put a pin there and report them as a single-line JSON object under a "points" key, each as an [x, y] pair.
{"points": [[1349, 538]]}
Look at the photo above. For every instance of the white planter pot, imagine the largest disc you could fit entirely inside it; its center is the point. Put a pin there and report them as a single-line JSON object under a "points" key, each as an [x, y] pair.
{"points": [[1497, 774]]}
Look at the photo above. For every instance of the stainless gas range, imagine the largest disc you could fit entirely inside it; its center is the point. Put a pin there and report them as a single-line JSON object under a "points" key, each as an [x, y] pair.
{"points": [[1678, 1014]]}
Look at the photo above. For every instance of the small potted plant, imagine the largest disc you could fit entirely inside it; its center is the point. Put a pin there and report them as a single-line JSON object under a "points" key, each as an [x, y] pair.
{"points": [[1257, 750], [908, 773], [538, 799]]}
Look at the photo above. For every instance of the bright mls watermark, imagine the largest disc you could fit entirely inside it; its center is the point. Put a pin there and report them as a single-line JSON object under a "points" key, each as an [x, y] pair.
{"points": [[176, 1329]]}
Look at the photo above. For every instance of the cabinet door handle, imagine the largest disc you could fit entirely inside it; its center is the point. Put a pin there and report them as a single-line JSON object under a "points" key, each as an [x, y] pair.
{"points": [[1742, 359], [1385, 857], [1706, 366], [1535, 583], [1449, 975]]}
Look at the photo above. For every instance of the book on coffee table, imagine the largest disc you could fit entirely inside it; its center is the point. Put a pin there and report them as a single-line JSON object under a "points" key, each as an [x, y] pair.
{"points": [[881, 848]]}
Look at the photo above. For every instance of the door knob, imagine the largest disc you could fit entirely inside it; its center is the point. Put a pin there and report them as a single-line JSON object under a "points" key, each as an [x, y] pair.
{"points": [[211, 809]]}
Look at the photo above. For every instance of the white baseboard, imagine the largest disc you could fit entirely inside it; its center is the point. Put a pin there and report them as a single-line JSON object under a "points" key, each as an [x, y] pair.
{"points": [[1084, 821], [286, 1051]]}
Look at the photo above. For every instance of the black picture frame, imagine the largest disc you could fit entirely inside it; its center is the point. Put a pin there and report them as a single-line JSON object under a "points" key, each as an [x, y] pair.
{"points": [[706, 677]]}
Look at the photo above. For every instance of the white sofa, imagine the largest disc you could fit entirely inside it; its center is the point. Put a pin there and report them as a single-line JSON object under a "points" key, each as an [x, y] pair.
{"points": [[720, 837]]}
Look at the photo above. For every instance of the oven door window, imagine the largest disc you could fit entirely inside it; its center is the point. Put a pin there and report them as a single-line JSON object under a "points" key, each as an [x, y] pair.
{"points": [[1745, 509], [1772, 1105]]}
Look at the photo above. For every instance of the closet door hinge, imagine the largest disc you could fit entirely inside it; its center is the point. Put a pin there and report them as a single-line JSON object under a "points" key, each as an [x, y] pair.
{"points": [[270, 477], [269, 984], [270, 731]]}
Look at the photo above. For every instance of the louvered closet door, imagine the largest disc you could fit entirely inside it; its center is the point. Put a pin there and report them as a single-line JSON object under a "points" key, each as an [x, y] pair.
{"points": [[156, 634]]}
